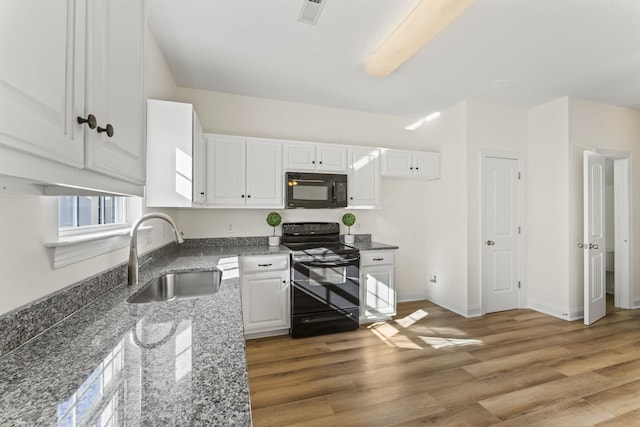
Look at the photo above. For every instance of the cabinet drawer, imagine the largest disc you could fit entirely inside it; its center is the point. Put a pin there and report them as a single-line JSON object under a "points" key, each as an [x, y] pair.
{"points": [[260, 263], [377, 257]]}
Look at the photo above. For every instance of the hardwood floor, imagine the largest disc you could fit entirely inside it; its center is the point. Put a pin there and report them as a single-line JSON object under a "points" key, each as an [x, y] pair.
{"points": [[429, 366]]}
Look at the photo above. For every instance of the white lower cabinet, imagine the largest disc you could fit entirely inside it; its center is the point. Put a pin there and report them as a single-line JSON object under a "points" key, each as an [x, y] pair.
{"points": [[377, 285], [264, 283]]}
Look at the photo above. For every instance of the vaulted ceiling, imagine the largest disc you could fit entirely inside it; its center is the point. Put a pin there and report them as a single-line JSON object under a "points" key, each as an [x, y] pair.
{"points": [[519, 53]]}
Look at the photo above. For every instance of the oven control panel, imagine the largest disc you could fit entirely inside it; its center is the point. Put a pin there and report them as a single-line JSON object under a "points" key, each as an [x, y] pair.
{"points": [[310, 228]]}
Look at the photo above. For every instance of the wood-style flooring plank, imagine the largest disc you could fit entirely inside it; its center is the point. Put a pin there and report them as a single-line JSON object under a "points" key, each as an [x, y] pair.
{"points": [[429, 366]]}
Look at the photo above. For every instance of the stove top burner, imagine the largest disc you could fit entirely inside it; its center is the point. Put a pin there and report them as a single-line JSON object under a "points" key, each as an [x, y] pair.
{"points": [[317, 240]]}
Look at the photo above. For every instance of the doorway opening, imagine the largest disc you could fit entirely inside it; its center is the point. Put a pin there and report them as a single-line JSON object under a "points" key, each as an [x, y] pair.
{"points": [[618, 267]]}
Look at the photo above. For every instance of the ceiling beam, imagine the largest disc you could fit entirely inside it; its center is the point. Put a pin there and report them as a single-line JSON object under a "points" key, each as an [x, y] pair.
{"points": [[426, 21]]}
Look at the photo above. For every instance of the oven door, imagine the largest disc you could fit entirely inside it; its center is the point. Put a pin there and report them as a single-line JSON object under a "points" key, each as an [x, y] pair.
{"points": [[320, 286]]}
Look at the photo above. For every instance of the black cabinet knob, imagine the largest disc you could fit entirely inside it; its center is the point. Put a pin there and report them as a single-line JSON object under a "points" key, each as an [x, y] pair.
{"points": [[249, 196], [242, 196]]}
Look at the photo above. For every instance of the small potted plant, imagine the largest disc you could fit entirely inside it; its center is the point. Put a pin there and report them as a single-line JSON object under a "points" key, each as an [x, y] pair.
{"points": [[348, 219], [274, 219]]}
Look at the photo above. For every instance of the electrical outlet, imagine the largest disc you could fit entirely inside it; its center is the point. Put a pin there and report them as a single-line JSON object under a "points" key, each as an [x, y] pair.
{"points": [[149, 239], [434, 278], [357, 226], [229, 228]]}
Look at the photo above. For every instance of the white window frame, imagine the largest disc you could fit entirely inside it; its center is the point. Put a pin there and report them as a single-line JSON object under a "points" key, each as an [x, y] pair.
{"points": [[69, 246]]}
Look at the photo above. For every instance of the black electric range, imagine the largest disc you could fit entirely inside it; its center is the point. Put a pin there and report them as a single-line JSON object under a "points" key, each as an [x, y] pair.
{"points": [[325, 279]]}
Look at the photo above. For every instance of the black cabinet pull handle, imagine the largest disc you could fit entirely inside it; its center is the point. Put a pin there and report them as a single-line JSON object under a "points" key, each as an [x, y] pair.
{"points": [[108, 129], [90, 121], [378, 259], [265, 265]]}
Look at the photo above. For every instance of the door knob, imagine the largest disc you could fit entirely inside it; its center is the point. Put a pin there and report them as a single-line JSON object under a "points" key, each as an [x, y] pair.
{"points": [[592, 246], [581, 245], [490, 243]]}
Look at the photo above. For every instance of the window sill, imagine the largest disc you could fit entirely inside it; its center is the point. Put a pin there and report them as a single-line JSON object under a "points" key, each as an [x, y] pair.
{"points": [[78, 247]]}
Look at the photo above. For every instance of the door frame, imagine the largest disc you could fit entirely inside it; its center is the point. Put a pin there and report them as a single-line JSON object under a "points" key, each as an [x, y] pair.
{"points": [[623, 202], [509, 155]]}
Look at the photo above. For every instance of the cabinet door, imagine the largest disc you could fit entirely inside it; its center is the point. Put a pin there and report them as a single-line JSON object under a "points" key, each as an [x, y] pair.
{"points": [[364, 177], [265, 301], [199, 163], [379, 299], [169, 152], [264, 173], [427, 165], [42, 77], [114, 88], [397, 163], [225, 171], [299, 156], [331, 158]]}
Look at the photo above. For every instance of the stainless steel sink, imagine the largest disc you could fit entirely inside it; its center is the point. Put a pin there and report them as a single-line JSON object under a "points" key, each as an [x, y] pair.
{"points": [[172, 286]]}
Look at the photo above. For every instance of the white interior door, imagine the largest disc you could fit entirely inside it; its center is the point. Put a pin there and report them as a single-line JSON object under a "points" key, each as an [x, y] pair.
{"points": [[595, 305], [501, 234]]}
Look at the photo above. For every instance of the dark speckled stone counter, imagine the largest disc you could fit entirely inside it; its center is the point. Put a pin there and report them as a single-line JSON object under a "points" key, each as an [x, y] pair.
{"points": [[177, 363], [371, 246]]}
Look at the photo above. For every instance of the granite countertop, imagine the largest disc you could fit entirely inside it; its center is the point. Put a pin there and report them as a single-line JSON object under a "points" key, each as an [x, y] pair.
{"points": [[371, 246], [180, 362]]}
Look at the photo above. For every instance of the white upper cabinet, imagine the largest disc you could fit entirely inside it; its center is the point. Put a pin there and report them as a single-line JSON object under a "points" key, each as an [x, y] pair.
{"points": [[114, 89], [64, 61], [175, 156], [410, 164], [364, 177], [42, 78], [199, 163], [243, 172], [308, 156]]}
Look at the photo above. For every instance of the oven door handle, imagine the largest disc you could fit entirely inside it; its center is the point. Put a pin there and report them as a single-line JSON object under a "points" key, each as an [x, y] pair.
{"points": [[331, 264]]}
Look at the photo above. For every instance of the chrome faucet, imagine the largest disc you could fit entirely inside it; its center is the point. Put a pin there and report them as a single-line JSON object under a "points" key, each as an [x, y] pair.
{"points": [[133, 250]]}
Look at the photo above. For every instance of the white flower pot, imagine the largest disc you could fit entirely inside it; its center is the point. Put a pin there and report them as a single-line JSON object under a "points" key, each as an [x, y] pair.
{"points": [[349, 238], [274, 240]]}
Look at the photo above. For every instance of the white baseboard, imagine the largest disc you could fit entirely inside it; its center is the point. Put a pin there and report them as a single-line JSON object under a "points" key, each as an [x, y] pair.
{"points": [[465, 311], [555, 311], [411, 297], [636, 303]]}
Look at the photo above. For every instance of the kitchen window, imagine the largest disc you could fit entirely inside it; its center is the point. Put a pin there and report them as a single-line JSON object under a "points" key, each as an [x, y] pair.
{"points": [[77, 212], [88, 226]]}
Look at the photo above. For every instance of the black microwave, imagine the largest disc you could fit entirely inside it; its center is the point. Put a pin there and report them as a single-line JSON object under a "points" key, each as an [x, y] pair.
{"points": [[315, 190]]}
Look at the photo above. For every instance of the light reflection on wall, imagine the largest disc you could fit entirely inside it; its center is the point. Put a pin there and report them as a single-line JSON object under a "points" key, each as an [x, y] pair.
{"points": [[184, 177]]}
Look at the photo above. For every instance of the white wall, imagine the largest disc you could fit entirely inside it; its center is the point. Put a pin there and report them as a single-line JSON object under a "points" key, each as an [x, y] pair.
{"points": [[29, 220], [446, 213], [547, 209]]}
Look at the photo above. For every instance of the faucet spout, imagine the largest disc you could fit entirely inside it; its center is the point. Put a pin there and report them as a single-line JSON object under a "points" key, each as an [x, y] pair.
{"points": [[133, 247]]}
